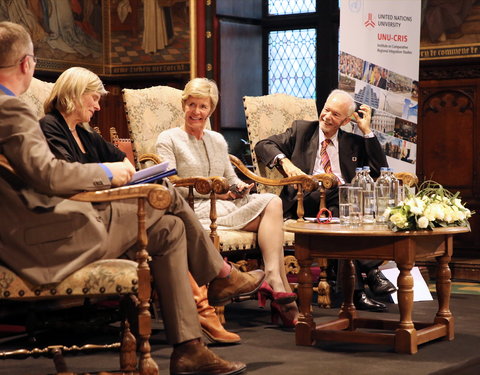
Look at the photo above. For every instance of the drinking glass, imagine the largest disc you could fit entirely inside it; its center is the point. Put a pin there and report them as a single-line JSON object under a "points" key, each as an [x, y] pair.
{"points": [[382, 194], [368, 197], [355, 204], [344, 205]]}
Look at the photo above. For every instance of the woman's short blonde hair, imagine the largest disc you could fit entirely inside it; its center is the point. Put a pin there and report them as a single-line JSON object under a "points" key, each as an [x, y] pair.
{"points": [[201, 88], [69, 88]]}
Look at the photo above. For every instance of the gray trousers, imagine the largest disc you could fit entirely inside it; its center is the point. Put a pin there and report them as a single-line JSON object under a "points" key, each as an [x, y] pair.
{"points": [[177, 244]]}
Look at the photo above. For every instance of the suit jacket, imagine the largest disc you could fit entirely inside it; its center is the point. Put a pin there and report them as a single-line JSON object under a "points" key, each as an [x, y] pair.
{"points": [[300, 144], [44, 237], [382, 83]]}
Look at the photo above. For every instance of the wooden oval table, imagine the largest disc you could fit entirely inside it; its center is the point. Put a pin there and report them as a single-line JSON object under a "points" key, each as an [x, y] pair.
{"points": [[338, 241]]}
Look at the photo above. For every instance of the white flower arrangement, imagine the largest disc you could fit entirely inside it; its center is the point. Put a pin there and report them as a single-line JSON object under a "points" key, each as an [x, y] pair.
{"points": [[433, 206]]}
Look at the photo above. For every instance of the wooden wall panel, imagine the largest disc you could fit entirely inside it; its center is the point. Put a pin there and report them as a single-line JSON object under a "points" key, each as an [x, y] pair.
{"points": [[447, 117], [449, 146]]}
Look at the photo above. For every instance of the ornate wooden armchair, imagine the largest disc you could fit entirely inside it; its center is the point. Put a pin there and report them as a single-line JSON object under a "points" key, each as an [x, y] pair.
{"points": [[273, 114], [150, 111], [102, 278]]}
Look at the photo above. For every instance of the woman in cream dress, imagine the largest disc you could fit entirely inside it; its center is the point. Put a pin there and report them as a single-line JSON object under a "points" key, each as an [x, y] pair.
{"points": [[196, 151]]}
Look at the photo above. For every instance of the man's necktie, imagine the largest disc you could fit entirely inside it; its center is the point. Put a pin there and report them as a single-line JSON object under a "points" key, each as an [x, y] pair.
{"points": [[325, 160]]}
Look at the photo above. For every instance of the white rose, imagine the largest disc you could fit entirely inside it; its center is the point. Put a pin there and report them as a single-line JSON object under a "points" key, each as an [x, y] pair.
{"points": [[447, 214], [422, 222], [429, 213], [417, 207], [399, 220], [438, 211], [458, 203]]}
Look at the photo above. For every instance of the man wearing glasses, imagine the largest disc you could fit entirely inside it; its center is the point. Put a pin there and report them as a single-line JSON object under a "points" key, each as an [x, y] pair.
{"points": [[24, 58]]}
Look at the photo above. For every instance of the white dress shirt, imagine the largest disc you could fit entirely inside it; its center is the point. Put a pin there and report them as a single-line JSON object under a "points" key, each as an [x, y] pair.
{"points": [[333, 155], [332, 151]]}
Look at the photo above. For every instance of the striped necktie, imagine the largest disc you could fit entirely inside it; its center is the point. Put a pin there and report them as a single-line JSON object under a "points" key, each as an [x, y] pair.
{"points": [[325, 160]]}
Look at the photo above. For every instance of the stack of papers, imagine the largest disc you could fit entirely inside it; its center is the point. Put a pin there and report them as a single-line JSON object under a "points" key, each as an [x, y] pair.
{"points": [[152, 174]]}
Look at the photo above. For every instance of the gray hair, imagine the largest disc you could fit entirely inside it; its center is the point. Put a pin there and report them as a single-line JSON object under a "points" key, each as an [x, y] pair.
{"points": [[351, 102]]}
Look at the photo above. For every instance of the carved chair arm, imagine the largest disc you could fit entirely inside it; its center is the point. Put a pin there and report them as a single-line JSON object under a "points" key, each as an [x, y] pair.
{"points": [[156, 195], [205, 185], [328, 180], [307, 182], [149, 157]]}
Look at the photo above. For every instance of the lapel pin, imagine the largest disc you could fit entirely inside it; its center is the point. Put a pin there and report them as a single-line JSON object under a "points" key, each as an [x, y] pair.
{"points": [[354, 158]]}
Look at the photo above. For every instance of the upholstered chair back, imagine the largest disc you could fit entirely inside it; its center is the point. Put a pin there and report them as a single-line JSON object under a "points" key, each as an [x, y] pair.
{"points": [[149, 112], [36, 95], [273, 114]]}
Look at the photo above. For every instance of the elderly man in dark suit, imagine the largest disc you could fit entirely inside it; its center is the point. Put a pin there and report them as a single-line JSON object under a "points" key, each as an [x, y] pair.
{"points": [[44, 237], [300, 150]]}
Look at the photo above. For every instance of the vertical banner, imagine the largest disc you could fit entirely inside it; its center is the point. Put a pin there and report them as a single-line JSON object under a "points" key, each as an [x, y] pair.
{"points": [[379, 65]]}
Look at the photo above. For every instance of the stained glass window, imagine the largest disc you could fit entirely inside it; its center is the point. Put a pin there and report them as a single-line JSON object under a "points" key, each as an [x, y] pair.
{"points": [[292, 62], [283, 7]]}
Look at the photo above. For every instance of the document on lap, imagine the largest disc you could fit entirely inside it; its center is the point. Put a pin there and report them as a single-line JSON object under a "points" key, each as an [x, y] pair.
{"points": [[152, 173]]}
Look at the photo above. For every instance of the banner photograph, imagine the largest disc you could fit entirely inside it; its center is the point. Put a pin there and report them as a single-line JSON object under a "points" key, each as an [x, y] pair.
{"points": [[379, 66]]}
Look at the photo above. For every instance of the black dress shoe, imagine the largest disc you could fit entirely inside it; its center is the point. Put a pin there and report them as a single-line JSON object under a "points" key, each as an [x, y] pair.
{"points": [[362, 302], [379, 284]]}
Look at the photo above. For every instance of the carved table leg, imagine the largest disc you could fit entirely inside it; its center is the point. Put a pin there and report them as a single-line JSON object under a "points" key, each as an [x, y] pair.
{"points": [[443, 285], [405, 335], [323, 288], [347, 309], [305, 325]]}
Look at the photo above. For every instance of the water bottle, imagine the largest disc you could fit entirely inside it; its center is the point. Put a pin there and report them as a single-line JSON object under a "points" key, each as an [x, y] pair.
{"points": [[358, 178], [369, 182], [368, 197], [395, 190], [382, 194], [355, 200]]}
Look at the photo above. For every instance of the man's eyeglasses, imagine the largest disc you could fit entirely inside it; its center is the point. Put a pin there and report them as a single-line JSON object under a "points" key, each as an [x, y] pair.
{"points": [[34, 59]]}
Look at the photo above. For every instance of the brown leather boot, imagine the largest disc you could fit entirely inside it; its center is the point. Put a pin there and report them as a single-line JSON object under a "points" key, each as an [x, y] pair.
{"points": [[238, 284], [193, 357], [211, 326]]}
